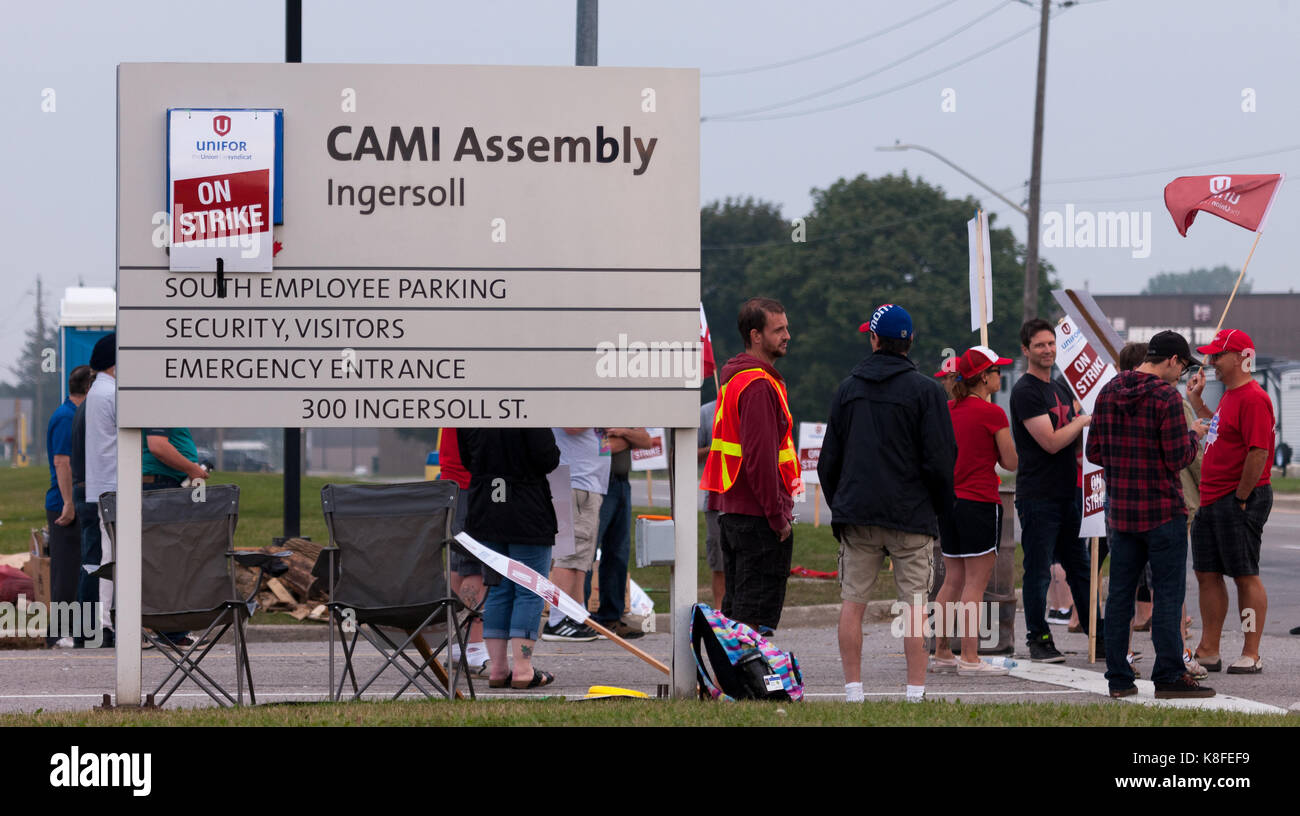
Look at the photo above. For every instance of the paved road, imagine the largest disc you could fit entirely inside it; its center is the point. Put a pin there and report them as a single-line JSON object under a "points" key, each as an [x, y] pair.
{"points": [[298, 670]]}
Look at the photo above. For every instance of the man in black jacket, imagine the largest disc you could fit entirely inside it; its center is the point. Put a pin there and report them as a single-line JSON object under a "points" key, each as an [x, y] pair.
{"points": [[887, 469]]}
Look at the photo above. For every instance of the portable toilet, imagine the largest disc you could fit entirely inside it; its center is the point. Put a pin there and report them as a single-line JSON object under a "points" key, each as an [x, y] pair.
{"points": [[85, 315]]}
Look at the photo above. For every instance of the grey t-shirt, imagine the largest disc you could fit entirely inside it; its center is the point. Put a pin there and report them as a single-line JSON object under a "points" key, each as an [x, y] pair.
{"points": [[588, 459], [704, 438], [101, 437]]}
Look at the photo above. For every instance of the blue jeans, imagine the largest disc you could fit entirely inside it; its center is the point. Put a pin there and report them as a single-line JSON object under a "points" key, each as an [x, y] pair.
{"points": [[510, 611], [1165, 547], [1050, 532], [615, 540]]}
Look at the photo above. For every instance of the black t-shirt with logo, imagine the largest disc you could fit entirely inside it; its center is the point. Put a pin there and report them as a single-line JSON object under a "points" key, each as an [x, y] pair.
{"points": [[1042, 475]]}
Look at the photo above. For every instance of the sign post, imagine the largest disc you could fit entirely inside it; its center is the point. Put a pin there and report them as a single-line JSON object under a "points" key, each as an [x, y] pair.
{"points": [[485, 246]]}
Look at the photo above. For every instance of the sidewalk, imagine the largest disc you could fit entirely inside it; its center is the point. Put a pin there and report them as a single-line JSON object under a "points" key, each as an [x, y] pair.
{"points": [[291, 663]]}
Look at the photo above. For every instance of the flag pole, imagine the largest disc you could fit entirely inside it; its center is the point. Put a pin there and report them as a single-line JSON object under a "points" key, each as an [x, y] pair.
{"points": [[1223, 316], [984, 307]]}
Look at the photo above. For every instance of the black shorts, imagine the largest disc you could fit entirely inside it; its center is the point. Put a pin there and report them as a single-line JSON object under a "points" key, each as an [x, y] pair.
{"points": [[1226, 539], [972, 528]]}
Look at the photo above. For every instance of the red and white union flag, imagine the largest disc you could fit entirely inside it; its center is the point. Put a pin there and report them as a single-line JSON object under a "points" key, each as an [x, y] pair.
{"points": [[706, 342], [1242, 199]]}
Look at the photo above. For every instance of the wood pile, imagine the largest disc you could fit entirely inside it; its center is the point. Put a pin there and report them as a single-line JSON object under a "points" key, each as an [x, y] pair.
{"points": [[297, 591]]}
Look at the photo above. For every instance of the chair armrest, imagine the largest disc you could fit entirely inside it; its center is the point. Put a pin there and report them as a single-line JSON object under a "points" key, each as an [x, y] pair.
{"points": [[273, 564], [104, 571]]}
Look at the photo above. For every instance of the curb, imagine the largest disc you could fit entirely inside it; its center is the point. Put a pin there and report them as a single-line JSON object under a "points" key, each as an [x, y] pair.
{"points": [[807, 616]]}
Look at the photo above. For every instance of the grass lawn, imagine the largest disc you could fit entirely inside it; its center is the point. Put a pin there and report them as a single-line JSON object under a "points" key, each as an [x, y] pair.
{"points": [[689, 713], [22, 492], [261, 505]]}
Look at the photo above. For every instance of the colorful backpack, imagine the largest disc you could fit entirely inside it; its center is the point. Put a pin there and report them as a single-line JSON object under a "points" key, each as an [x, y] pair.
{"points": [[746, 665]]}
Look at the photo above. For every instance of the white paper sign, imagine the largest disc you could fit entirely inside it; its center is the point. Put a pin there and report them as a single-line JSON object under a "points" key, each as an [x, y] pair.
{"points": [[221, 189], [977, 233], [654, 457], [811, 435]]}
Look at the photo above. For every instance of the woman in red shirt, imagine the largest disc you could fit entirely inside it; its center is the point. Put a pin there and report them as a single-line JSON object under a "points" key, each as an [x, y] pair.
{"points": [[969, 534]]}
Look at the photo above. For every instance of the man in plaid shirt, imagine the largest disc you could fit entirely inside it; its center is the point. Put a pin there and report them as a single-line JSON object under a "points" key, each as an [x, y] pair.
{"points": [[1140, 438]]}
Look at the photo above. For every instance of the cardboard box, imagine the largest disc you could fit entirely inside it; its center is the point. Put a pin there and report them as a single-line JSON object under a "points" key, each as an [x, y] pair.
{"points": [[38, 566]]}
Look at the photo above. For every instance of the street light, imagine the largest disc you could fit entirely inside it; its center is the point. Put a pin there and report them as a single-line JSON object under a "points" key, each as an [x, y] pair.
{"points": [[1009, 202]]}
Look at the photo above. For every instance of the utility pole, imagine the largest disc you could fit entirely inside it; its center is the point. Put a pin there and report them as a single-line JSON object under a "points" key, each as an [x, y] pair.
{"points": [[1036, 172], [292, 436], [586, 39], [38, 377]]}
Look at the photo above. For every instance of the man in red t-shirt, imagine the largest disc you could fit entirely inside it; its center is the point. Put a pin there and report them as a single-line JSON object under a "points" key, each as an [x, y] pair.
{"points": [[1235, 499]]}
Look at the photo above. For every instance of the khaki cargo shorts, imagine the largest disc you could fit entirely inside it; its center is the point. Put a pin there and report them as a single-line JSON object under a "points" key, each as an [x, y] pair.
{"points": [[586, 524], [862, 554]]}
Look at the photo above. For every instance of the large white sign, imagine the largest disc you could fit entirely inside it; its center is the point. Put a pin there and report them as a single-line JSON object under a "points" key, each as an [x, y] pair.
{"points": [[221, 187], [811, 435], [1087, 372], [462, 245]]}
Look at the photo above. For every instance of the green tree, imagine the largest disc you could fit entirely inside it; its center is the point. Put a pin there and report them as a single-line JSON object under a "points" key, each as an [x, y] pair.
{"points": [[732, 232], [884, 240], [1216, 281], [36, 373]]}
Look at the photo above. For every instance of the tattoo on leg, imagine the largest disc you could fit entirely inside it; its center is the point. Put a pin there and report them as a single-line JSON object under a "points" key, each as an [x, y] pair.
{"points": [[526, 650], [470, 596]]}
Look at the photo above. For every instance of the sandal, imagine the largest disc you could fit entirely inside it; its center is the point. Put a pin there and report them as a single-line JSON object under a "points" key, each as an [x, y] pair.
{"points": [[540, 678], [1209, 665], [502, 683], [1246, 665], [943, 665]]}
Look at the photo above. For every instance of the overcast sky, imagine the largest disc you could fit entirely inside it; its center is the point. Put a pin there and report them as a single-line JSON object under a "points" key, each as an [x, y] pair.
{"points": [[1138, 92]]}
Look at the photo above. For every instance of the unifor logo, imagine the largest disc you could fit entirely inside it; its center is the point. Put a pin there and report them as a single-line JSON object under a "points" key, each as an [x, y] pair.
{"points": [[1219, 183], [221, 125], [1066, 328]]}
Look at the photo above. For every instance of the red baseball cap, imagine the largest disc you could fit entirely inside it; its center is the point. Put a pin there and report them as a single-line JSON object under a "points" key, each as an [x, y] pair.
{"points": [[977, 359], [1228, 340]]}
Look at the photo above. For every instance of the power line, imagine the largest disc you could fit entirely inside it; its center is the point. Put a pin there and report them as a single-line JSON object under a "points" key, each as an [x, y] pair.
{"points": [[1173, 168], [887, 91], [862, 77], [832, 50]]}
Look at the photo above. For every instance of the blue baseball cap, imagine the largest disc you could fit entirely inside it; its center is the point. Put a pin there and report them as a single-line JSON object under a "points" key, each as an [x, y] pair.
{"points": [[889, 321]]}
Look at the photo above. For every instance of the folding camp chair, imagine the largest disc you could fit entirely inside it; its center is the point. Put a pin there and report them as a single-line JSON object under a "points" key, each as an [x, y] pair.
{"points": [[188, 581], [387, 568]]}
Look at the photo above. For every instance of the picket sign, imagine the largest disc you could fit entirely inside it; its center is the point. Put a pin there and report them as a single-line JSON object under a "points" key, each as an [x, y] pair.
{"points": [[1087, 372], [539, 585]]}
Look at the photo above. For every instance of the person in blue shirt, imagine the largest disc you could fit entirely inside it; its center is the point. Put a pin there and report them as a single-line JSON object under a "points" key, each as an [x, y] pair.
{"points": [[60, 509]]}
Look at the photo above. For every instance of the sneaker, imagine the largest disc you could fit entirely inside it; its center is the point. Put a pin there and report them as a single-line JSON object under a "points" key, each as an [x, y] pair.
{"points": [[980, 668], [1059, 617], [621, 629], [569, 630], [1044, 651], [1195, 669], [1184, 686], [943, 665]]}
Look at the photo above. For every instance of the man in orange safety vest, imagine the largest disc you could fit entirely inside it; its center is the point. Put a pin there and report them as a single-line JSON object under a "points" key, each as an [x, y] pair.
{"points": [[753, 471]]}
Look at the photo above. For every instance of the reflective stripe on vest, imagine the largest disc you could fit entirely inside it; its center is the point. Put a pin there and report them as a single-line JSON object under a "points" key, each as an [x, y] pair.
{"points": [[723, 464]]}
